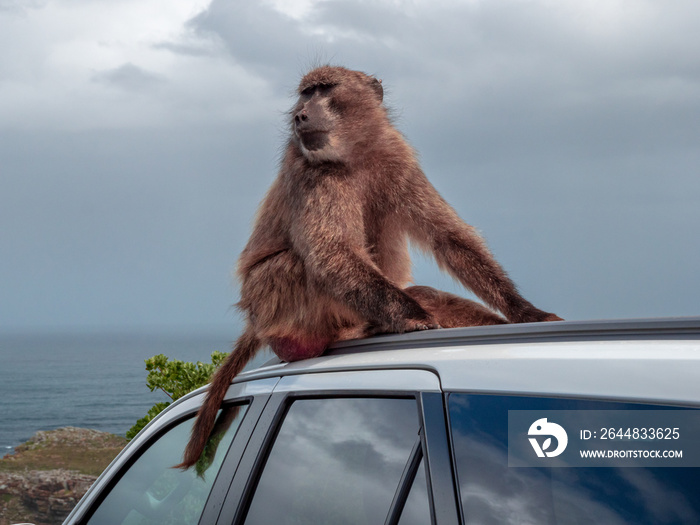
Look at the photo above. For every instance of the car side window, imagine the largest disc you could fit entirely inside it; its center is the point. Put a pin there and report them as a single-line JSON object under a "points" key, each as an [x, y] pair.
{"points": [[491, 491], [336, 460], [152, 492]]}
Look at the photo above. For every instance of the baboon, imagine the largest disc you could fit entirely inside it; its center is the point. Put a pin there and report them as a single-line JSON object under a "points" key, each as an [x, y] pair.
{"points": [[328, 259]]}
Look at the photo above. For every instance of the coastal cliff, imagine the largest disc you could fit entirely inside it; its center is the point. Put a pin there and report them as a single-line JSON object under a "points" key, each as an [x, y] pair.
{"points": [[46, 476]]}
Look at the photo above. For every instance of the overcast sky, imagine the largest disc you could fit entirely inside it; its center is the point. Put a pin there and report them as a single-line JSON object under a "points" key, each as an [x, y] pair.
{"points": [[138, 136]]}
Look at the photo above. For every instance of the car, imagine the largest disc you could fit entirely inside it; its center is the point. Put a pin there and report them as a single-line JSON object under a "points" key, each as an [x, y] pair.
{"points": [[548, 423]]}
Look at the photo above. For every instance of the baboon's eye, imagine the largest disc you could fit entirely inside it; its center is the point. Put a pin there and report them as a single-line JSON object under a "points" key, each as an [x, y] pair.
{"points": [[324, 89], [321, 89]]}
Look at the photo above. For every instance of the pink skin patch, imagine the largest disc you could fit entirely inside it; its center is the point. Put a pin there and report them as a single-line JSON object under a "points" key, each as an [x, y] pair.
{"points": [[290, 350]]}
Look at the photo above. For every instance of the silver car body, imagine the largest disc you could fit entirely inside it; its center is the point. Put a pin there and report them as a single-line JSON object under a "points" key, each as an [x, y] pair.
{"points": [[654, 361]]}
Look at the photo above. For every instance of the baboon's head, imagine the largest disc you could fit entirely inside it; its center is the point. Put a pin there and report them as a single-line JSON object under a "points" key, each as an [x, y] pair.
{"points": [[337, 109]]}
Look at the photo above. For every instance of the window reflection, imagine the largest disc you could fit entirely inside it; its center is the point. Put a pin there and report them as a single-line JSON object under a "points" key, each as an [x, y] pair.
{"points": [[493, 493], [336, 461], [152, 492]]}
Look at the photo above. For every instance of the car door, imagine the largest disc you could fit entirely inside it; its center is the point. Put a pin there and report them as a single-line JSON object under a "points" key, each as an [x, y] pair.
{"points": [[364, 447]]}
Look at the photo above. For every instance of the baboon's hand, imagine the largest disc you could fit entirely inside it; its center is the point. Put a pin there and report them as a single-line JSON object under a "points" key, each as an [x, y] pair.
{"points": [[413, 325]]}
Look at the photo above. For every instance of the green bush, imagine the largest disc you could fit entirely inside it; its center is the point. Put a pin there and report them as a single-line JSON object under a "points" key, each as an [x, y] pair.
{"points": [[175, 378]]}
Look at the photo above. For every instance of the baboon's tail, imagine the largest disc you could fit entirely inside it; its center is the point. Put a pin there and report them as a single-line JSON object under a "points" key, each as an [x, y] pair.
{"points": [[244, 350]]}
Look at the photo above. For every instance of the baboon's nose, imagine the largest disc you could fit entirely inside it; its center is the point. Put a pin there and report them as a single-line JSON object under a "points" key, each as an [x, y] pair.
{"points": [[301, 116]]}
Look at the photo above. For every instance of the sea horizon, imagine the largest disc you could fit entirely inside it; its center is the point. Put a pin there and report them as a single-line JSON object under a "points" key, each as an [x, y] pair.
{"points": [[91, 377]]}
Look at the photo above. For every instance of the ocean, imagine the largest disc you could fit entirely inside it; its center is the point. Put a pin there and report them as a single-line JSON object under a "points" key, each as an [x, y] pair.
{"points": [[90, 380]]}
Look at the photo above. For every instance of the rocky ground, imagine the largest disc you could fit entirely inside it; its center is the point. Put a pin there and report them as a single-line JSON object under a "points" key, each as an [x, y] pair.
{"points": [[46, 476]]}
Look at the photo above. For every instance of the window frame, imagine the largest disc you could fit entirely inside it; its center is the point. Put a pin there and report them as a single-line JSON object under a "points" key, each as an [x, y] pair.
{"points": [[432, 421], [408, 478]]}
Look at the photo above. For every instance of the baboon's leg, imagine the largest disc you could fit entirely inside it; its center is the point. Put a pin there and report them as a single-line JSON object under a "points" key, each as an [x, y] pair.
{"points": [[452, 311]]}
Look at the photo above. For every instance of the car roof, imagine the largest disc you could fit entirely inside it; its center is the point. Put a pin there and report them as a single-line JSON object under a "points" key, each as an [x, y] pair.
{"points": [[650, 360]]}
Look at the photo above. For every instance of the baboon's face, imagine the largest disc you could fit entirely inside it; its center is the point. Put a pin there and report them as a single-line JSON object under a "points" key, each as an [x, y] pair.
{"points": [[337, 108], [314, 121]]}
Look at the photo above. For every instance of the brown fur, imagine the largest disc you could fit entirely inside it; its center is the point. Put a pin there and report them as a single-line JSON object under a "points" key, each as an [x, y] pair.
{"points": [[328, 257]]}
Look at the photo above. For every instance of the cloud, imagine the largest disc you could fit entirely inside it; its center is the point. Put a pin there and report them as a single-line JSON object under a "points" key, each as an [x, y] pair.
{"points": [[20, 7], [564, 131], [129, 77], [526, 75], [68, 56]]}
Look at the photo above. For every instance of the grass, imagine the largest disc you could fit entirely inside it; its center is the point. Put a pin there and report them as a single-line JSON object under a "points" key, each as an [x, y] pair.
{"points": [[87, 452]]}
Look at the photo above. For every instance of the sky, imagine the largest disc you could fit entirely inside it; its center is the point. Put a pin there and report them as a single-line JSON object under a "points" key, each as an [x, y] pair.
{"points": [[137, 138]]}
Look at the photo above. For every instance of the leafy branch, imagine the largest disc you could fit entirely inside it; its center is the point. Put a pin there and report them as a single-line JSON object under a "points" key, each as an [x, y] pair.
{"points": [[174, 378]]}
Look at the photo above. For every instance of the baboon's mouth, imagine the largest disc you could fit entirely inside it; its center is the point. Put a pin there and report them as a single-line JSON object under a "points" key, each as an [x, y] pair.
{"points": [[313, 140]]}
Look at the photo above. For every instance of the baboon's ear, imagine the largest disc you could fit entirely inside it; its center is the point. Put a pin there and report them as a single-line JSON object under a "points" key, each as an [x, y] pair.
{"points": [[376, 85]]}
